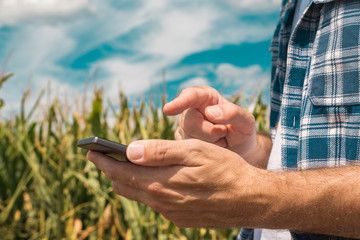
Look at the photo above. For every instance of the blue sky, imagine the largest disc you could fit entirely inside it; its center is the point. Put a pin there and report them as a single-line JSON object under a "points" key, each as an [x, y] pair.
{"points": [[130, 44]]}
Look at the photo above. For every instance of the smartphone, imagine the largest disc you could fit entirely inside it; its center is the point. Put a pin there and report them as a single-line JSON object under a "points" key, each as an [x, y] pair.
{"points": [[109, 148]]}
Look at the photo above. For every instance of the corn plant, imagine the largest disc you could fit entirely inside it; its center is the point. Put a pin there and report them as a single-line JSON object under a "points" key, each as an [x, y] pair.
{"points": [[48, 189], [3, 78]]}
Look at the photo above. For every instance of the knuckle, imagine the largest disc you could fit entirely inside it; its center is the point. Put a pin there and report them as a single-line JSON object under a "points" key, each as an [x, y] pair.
{"points": [[236, 110], [210, 90], [160, 152], [155, 188], [197, 88], [195, 147], [242, 116], [251, 119], [204, 87], [187, 91], [195, 144], [216, 133], [246, 114]]}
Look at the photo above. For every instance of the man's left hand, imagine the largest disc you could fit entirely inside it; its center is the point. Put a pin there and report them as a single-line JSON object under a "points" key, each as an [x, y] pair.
{"points": [[190, 182]]}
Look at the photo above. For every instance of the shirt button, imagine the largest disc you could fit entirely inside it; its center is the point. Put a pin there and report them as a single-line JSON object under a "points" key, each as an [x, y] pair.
{"points": [[288, 5]]}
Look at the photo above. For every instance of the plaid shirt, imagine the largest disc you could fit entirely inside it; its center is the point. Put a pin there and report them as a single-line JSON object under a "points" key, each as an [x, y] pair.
{"points": [[316, 87]]}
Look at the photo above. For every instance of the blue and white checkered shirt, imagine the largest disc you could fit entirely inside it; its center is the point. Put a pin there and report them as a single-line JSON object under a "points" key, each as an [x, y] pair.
{"points": [[316, 87], [316, 84]]}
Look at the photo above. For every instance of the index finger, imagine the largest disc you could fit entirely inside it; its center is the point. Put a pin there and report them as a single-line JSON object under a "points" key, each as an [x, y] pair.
{"points": [[197, 97], [124, 172], [137, 177]]}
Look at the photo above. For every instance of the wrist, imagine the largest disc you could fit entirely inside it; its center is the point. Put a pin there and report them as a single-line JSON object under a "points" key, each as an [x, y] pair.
{"points": [[271, 201], [258, 156], [300, 201], [321, 201], [314, 201], [259, 201], [285, 194]]}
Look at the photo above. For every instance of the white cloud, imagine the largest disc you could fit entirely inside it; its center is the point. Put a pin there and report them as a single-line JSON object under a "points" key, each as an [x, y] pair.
{"points": [[36, 51], [180, 32], [37, 48], [154, 6], [188, 70], [132, 78], [176, 33], [229, 74], [170, 31], [54, 88], [195, 82], [13, 11], [255, 6]]}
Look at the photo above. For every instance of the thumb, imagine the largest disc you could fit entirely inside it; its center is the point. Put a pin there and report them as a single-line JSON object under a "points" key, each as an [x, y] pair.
{"points": [[160, 152], [239, 118]]}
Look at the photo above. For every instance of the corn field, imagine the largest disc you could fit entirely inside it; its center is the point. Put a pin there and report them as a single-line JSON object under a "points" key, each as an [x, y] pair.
{"points": [[48, 189]]}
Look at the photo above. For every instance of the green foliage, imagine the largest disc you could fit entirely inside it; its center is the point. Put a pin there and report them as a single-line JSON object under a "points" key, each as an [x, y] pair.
{"points": [[50, 191], [260, 114], [3, 78]]}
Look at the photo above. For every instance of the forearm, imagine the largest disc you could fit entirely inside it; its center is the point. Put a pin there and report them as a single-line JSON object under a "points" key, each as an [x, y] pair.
{"points": [[324, 201]]}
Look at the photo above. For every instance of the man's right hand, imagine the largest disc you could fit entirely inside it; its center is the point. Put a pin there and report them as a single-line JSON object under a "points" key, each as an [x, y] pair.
{"points": [[208, 116]]}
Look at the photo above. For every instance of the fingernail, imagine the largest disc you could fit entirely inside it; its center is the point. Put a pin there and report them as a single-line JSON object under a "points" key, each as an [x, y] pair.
{"points": [[135, 151], [215, 111]]}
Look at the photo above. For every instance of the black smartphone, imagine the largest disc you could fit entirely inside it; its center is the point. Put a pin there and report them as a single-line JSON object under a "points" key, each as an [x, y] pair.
{"points": [[109, 148]]}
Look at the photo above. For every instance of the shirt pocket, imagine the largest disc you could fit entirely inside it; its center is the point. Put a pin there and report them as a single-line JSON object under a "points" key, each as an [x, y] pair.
{"points": [[334, 76], [334, 87]]}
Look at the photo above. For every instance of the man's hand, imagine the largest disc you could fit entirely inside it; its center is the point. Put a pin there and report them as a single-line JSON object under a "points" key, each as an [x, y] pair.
{"points": [[190, 182], [208, 116], [198, 184]]}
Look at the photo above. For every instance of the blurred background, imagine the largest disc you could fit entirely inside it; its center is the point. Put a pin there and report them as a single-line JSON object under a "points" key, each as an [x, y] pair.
{"points": [[73, 69], [135, 45]]}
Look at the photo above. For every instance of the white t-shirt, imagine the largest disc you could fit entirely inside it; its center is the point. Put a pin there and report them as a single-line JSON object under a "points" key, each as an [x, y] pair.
{"points": [[274, 163]]}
